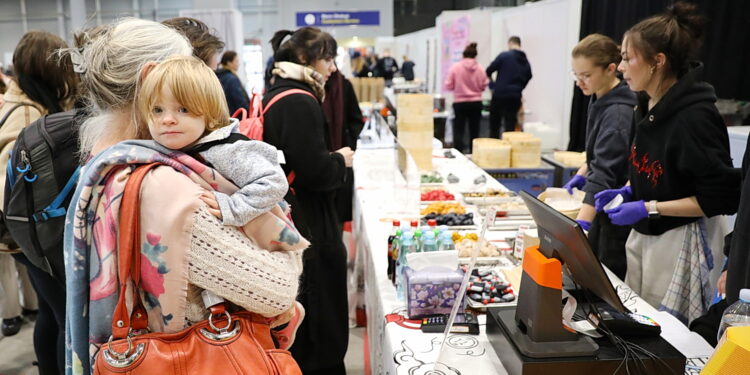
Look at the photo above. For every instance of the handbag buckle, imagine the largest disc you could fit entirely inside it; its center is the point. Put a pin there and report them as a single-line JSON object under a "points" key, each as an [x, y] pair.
{"points": [[223, 333], [124, 359]]}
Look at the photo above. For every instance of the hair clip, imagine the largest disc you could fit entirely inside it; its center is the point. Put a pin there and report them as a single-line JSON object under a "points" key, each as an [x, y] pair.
{"points": [[79, 63]]}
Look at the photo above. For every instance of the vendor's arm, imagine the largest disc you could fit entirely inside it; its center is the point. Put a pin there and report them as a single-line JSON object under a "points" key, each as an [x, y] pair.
{"points": [[705, 157], [609, 161], [685, 207], [583, 170], [586, 213], [254, 167]]}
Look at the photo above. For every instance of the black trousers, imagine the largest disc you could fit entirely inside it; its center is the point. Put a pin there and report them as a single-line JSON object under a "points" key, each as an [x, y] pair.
{"points": [[49, 331], [470, 112], [503, 111], [608, 241]]}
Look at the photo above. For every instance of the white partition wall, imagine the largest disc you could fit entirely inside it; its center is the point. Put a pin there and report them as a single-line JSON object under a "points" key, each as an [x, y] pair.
{"points": [[455, 30], [421, 48], [548, 30]]}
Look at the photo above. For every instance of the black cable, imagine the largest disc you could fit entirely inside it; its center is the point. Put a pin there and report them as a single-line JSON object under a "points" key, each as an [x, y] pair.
{"points": [[627, 348]]}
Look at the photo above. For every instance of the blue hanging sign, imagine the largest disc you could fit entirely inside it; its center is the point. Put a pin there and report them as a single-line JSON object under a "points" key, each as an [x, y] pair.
{"points": [[329, 19]]}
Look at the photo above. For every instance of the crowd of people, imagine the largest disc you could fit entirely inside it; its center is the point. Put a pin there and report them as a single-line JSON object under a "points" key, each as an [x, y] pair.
{"points": [[258, 222], [258, 230]]}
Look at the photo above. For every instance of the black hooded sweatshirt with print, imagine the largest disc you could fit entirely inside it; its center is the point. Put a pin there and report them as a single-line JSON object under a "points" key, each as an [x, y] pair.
{"points": [[681, 149]]}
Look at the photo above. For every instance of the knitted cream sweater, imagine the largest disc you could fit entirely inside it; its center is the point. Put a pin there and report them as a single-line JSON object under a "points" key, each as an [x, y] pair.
{"points": [[223, 260]]}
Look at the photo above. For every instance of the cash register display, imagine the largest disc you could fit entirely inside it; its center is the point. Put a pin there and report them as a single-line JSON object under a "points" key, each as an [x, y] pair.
{"points": [[562, 238]]}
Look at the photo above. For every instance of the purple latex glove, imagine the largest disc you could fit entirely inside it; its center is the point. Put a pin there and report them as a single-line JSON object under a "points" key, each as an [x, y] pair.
{"points": [[628, 213], [584, 224], [576, 182], [603, 197]]}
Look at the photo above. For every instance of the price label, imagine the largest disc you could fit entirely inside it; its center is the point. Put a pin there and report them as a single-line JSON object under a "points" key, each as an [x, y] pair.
{"points": [[519, 245]]}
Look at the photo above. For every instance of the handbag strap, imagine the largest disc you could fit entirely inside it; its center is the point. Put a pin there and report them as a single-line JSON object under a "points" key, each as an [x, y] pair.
{"points": [[129, 257]]}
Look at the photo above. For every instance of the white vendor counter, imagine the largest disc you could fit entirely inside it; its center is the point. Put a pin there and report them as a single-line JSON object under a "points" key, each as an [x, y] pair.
{"points": [[397, 345]]}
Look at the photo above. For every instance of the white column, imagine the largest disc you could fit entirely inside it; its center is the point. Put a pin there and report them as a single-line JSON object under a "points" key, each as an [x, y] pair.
{"points": [[77, 14]]}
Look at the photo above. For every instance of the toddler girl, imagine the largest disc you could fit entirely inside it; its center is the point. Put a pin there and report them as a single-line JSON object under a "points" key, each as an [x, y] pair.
{"points": [[181, 106]]}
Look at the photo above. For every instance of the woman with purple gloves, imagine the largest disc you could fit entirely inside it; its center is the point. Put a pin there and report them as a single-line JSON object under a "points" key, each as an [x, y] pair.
{"points": [[608, 136], [681, 175]]}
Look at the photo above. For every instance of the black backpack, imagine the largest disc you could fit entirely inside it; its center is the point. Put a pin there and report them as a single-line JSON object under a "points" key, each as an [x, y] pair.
{"points": [[5, 237], [42, 174]]}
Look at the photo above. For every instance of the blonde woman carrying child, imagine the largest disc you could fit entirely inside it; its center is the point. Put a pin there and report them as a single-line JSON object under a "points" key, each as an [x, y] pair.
{"points": [[181, 104]]}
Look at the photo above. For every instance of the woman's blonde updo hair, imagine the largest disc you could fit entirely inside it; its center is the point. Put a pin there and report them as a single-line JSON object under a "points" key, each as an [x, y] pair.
{"points": [[193, 84], [111, 59], [114, 55]]}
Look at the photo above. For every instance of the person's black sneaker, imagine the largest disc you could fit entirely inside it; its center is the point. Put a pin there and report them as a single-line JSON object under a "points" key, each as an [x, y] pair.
{"points": [[12, 326], [30, 315]]}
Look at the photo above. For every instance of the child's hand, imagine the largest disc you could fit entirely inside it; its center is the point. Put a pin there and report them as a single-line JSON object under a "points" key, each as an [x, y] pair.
{"points": [[284, 317], [213, 205]]}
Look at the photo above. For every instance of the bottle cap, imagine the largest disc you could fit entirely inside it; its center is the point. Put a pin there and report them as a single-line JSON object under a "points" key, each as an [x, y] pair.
{"points": [[432, 222], [414, 223], [396, 223], [745, 295]]}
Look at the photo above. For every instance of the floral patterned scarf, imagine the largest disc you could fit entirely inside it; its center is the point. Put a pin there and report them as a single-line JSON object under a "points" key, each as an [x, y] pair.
{"points": [[91, 244]]}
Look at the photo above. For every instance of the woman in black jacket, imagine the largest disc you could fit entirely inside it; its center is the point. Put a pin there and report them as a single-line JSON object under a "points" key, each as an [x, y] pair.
{"points": [[296, 126], [236, 95], [608, 135], [681, 175]]}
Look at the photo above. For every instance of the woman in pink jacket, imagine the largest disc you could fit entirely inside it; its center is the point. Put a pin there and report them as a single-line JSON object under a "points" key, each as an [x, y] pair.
{"points": [[467, 80]]}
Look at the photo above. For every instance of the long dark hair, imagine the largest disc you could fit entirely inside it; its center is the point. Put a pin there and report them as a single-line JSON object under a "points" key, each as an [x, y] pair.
{"points": [[44, 76], [677, 34], [305, 46]]}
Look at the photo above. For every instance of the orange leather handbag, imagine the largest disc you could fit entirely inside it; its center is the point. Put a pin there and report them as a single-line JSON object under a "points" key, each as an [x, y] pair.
{"points": [[237, 343]]}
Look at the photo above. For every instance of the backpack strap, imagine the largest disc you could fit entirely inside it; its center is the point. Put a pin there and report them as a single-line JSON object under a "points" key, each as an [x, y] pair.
{"points": [[284, 94], [54, 209], [5, 118]]}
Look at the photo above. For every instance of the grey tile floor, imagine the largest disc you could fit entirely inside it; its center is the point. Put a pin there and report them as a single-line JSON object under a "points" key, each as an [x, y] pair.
{"points": [[17, 353]]}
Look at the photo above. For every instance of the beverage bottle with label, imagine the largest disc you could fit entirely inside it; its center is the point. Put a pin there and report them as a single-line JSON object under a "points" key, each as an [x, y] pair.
{"points": [[429, 243], [736, 315], [391, 259], [446, 242], [408, 246]]}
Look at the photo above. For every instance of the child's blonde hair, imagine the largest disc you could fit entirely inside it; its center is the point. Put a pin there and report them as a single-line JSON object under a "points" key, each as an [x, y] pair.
{"points": [[193, 84]]}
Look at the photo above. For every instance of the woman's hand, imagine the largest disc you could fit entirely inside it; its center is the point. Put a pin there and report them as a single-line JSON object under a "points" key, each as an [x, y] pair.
{"points": [[605, 196], [213, 205], [721, 285], [348, 154], [578, 181]]}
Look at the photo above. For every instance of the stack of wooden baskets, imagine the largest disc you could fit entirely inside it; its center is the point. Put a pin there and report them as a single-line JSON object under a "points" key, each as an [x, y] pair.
{"points": [[515, 150]]}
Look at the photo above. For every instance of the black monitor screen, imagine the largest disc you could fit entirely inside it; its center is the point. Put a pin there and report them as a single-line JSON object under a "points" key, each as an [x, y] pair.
{"points": [[562, 238]]}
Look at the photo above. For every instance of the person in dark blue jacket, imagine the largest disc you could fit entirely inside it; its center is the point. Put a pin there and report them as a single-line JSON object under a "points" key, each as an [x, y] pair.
{"points": [[513, 74], [407, 69], [236, 95]]}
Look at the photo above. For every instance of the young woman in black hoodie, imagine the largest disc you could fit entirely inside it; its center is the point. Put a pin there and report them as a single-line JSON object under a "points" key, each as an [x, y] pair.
{"points": [[608, 135], [681, 175], [296, 126]]}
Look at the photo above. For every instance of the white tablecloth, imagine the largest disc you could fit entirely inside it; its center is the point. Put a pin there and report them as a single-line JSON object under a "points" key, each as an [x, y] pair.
{"points": [[399, 347]]}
